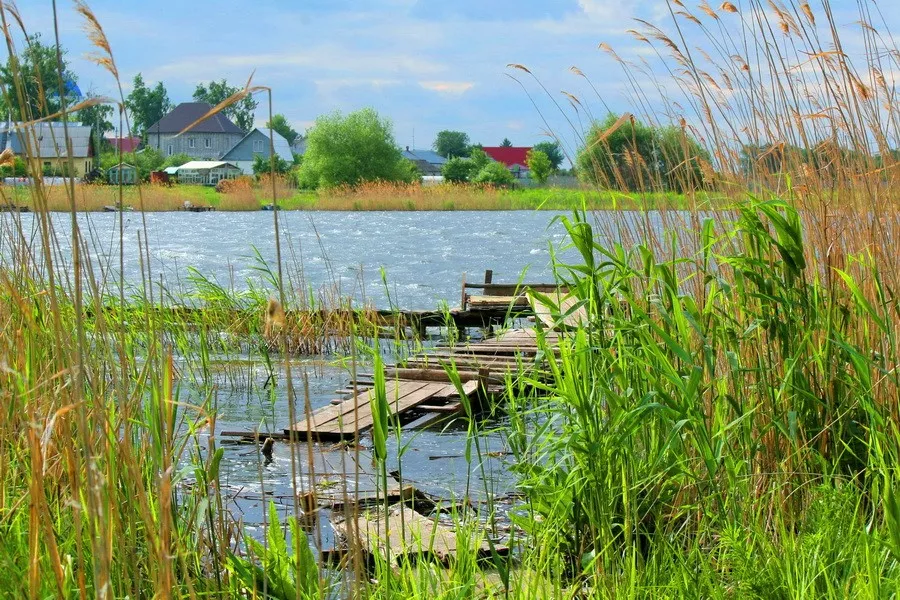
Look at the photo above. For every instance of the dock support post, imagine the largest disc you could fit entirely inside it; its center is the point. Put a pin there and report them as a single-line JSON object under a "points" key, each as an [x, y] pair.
{"points": [[489, 276]]}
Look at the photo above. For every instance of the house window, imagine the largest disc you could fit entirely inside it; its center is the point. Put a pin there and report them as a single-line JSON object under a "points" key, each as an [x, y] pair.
{"points": [[190, 142], [257, 145], [207, 143], [171, 152]]}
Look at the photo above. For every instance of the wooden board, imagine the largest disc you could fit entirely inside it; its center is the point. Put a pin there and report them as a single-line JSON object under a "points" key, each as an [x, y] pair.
{"points": [[479, 302], [354, 415], [403, 533], [557, 317]]}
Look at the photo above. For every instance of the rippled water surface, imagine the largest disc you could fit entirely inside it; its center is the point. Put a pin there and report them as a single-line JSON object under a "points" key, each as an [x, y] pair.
{"points": [[422, 256]]}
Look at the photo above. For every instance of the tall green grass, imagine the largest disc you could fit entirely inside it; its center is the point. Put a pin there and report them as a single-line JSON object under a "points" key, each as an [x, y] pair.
{"points": [[725, 424]]}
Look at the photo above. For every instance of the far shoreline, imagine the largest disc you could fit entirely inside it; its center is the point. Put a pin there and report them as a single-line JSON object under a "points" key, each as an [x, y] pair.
{"points": [[366, 198]]}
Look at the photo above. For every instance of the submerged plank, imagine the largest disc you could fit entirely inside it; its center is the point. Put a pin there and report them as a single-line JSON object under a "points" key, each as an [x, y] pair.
{"points": [[404, 532]]}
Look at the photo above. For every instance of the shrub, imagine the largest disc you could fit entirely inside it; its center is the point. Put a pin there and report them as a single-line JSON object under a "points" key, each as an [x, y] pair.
{"points": [[457, 170], [494, 173], [539, 166]]}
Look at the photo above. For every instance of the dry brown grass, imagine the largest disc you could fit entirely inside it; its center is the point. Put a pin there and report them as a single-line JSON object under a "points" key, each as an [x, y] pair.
{"points": [[403, 196]]}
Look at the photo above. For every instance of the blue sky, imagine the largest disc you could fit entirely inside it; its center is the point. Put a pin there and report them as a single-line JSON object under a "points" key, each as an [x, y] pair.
{"points": [[426, 64]]}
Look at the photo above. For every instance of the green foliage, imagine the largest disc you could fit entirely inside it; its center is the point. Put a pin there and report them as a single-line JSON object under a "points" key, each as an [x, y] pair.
{"points": [[19, 168], [539, 166], [31, 81], [553, 152], [176, 160], [351, 149], [280, 125], [282, 573], [480, 159], [494, 173], [262, 164], [145, 161], [241, 112], [146, 105], [451, 143], [506, 143], [632, 156], [457, 170]]}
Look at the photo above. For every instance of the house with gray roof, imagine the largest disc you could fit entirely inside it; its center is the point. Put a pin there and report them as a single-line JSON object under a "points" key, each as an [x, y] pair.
{"points": [[209, 139], [47, 142], [256, 143], [429, 162]]}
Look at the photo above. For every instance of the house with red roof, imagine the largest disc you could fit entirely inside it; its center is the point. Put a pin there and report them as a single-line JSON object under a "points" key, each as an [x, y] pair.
{"points": [[513, 157], [126, 144]]}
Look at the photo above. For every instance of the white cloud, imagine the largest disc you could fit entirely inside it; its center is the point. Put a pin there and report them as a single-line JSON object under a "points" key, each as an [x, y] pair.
{"points": [[454, 88]]}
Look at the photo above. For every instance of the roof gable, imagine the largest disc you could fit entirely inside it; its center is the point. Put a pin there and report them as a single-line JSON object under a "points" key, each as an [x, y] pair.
{"points": [[47, 138], [508, 155], [186, 113], [243, 150], [429, 156]]}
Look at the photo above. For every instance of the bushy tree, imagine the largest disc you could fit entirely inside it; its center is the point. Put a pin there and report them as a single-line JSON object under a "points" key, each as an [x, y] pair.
{"points": [[263, 164], [281, 126], [176, 160], [633, 156], [145, 161], [457, 170], [480, 159], [18, 168], [539, 166], [241, 112], [506, 143], [451, 143], [97, 117], [146, 105], [494, 173], [34, 73], [351, 149], [553, 152]]}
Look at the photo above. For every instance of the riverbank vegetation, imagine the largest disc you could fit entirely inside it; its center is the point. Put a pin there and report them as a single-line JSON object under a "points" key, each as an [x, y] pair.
{"points": [[246, 194], [725, 423]]}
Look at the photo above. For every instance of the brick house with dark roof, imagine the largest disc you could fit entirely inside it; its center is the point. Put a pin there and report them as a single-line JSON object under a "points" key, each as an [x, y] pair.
{"points": [[208, 140]]}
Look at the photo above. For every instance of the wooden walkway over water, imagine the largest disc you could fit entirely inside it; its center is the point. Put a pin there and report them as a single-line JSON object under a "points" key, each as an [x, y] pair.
{"points": [[420, 391]]}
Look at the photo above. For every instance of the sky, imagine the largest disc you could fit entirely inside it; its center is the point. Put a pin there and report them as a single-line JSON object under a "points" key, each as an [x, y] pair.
{"points": [[427, 65]]}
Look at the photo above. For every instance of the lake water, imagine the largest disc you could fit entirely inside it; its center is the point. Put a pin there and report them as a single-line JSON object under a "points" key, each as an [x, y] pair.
{"points": [[422, 256]]}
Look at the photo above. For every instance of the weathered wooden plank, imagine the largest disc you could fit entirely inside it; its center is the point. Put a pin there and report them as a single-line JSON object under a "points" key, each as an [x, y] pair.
{"points": [[479, 302], [395, 406], [552, 316], [330, 418], [402, 532]]}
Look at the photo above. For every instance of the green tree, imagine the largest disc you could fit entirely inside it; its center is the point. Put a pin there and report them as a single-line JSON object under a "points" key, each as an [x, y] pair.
{"points": [[494, 173], [263, 164], [680, 156], [97, 117], [146, 105], [146, 161], [621, 155], [539, 166], [553, 152], [176, 160], [480, 159], [31, 81], [242, 112], [280, 125], [451, 143], [457, 170], [350, 149], [506, 143]]}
